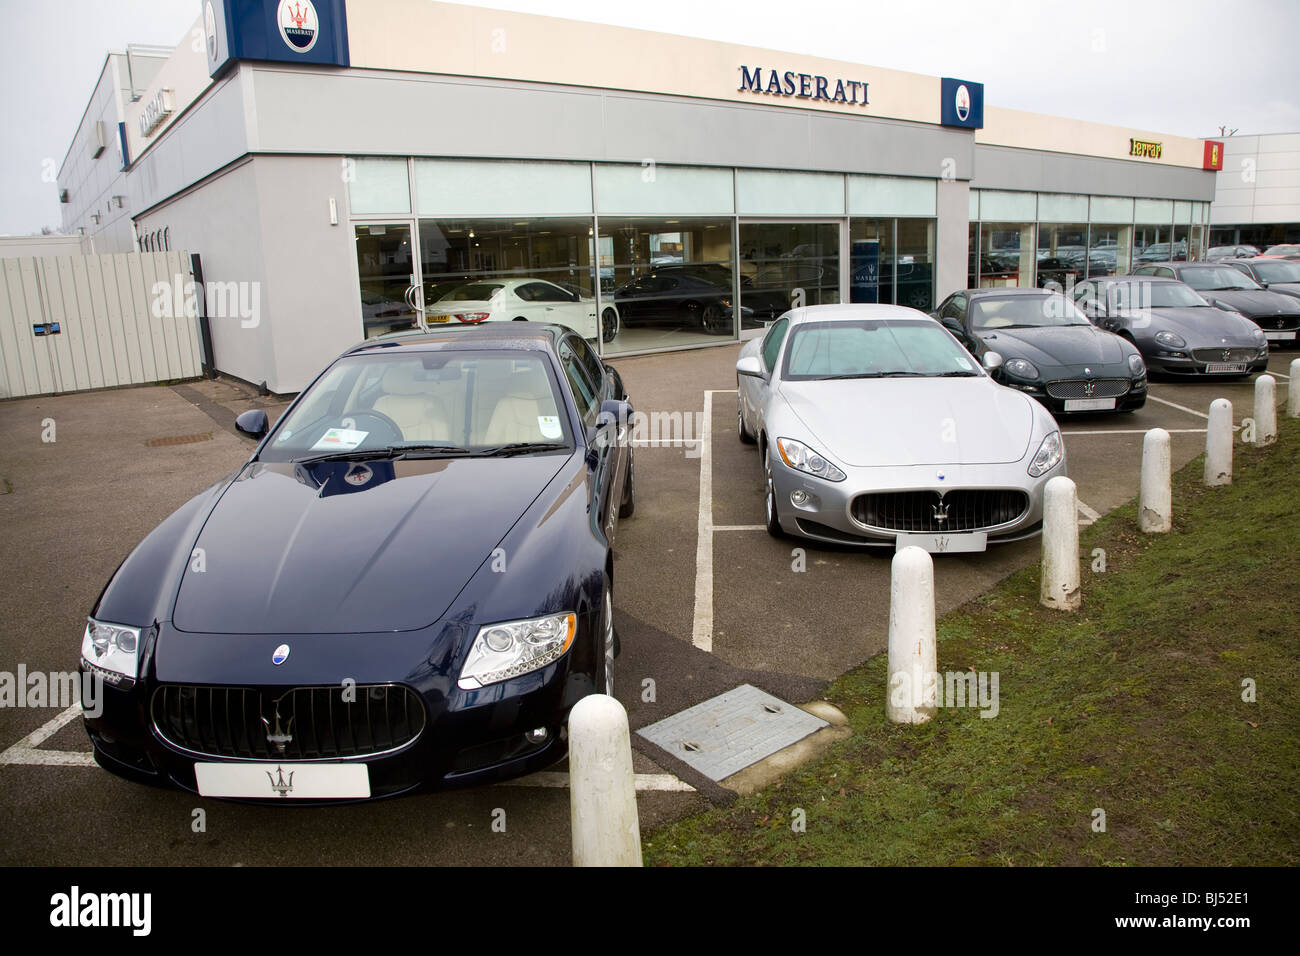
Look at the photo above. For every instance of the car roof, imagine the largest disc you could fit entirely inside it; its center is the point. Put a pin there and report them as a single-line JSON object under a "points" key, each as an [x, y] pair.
{"points": [[1132, 277], [526, 336], [849, 311], [1010, 290]]}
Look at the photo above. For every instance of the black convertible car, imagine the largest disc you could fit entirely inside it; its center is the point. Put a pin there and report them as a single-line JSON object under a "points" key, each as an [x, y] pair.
{"points": [[1048, 348], [1177, 331], [408, 583]]}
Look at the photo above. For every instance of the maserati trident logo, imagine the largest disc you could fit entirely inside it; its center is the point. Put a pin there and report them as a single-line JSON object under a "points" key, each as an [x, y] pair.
{"points": [[280, 655], [299, 26], [278, 783], [1226, 354], [940, 512], [1089, 388], [962, 102], [278, 734]]}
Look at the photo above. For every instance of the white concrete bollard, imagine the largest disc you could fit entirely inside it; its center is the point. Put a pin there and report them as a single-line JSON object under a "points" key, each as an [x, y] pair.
{"points": [[1265, 410], [1155, 502], [1293, 391], [1218, 444], [912, 696], [602, 787], [1060, 566]]}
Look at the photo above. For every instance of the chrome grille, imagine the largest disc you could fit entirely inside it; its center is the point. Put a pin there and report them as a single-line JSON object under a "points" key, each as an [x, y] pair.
{"points": [[1278, 323], [236, 722], [1223, 355], [1089, 388], [963, 509]]}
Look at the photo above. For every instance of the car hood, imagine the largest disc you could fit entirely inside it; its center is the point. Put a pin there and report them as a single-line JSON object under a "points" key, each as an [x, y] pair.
{"points": [[1252, 302], [296, 549], [1063, 345], [914, 421], [1198, 325]]}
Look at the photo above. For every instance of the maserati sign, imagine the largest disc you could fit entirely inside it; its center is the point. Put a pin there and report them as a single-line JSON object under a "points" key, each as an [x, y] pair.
{"points": [[802, 86]]}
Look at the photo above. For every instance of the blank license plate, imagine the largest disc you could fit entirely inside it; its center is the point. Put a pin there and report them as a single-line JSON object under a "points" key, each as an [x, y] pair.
{"points": [[1088, 404], [1279, 336], [939, 543], [1225, 367], [288, 780]]}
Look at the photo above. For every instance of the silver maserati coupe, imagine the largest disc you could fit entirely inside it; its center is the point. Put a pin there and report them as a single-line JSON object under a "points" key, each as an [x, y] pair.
{"points": [[876, 427]]}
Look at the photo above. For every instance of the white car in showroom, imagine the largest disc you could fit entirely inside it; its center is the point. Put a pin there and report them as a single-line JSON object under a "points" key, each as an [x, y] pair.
{"points": [[522, 300], [877, 428]]}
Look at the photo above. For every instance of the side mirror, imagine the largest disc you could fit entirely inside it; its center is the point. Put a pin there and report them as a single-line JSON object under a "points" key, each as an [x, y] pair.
{"points": [[953, 326], [252, 423], [613, 411], [991, 361], [749, 365]]}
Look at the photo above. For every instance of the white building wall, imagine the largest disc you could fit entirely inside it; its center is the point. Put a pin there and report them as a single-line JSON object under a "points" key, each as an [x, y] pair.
{"points": [[1259, 182]]}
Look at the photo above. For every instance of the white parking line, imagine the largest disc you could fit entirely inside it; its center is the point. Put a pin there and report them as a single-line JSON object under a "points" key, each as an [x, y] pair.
{"points": [[1138, 431], [702, 623], [26, 752], [1181, 408], [1089, 516], [740, 527]]}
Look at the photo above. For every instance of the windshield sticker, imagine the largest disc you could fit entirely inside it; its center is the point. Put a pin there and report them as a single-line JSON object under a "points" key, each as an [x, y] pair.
{"points": [[284, 436], [340, 439], [961, 362], [550, 426]]}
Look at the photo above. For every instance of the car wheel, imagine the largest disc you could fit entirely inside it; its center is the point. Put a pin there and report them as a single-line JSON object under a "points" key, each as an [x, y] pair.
{"points": [[608, 325], [918, 299], [745, 436], [773, 522], [608, 644], [627, 504]]}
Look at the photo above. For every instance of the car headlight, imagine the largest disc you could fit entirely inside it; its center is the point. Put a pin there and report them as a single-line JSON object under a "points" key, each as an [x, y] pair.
{"points": [[1049, 455], [112, 650], [1172, 339], [1136, 366], [802, 458], [502, 651], [1259, 337], [1020, 368]]}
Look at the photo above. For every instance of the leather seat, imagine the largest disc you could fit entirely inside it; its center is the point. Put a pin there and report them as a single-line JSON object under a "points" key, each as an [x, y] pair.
{"points": [[411, 404], [515, 416]]}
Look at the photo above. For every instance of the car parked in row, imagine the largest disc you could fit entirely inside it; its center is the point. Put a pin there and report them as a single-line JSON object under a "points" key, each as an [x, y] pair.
{"points": [[1229, 289], [876, 428], [1049, 349], [1231, 252], [1276, 275], [1177, 331], [408, 583]]}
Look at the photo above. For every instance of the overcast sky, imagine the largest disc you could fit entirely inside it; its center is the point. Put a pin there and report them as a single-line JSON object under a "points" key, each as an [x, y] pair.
{"points": [[1183, 68]]}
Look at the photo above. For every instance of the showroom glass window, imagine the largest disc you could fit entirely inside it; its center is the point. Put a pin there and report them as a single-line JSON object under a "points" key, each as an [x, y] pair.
{"points": [[672, 280], [1062, 256]]}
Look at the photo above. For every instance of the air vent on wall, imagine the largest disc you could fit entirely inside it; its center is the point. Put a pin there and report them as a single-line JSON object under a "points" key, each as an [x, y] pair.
{"points": [[63, 195], [98, 139]]}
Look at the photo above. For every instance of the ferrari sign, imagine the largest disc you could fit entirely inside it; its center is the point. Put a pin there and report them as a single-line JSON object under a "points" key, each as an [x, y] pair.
{"points": [[1213, 155], [1144, 148]]}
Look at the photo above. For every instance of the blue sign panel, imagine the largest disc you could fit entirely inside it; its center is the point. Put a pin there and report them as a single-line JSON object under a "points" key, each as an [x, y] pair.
{"points": [[864, 285], [963, 103], [288, 31]]}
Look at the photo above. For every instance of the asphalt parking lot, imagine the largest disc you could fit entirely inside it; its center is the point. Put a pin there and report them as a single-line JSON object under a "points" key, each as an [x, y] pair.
{"points": [[705, 600]]}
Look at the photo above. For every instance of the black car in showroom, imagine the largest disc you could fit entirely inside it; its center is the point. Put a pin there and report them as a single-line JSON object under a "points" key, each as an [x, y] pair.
{"points": [[1231, 290], [409, 583], [1048, 349], [1177, 331], [695, 297]]}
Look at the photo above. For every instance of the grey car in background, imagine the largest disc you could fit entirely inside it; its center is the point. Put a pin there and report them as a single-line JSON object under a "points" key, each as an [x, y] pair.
{"points": [[1233, 291], [1177, 331], [875, 427]]}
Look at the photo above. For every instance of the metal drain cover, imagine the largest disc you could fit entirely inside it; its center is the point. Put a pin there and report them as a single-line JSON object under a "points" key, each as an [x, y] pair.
{"points": [[727, 733]]}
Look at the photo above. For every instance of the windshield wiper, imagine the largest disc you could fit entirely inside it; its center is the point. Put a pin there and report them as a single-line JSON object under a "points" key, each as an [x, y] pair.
{"points": [[404, 450], [520, 448]]}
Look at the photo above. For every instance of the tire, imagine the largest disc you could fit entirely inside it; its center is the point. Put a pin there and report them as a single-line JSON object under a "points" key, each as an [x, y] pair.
{"points": [[919, 299], [518, 318], [609, 325], [745, 437], [607, 649], [711, 318], [627, 504], [769, 492]]}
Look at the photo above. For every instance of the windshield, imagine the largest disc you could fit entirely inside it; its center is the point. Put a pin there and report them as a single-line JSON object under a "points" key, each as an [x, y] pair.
{"points": [[1135, 294], [866, 348], [467, 401], [1278, 271], [1217, 277], [1024, 312]]}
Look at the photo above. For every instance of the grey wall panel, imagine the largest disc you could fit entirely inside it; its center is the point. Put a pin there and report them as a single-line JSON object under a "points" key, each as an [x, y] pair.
{"points": [[1002, 167], [952, 236], [366, 112]]}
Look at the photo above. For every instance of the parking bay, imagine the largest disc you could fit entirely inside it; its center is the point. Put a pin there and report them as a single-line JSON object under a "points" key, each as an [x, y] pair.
{"points": [[764, 623]]}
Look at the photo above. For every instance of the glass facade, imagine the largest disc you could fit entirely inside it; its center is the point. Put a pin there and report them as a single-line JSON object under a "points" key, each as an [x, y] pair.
{"points": [[639, 257]]}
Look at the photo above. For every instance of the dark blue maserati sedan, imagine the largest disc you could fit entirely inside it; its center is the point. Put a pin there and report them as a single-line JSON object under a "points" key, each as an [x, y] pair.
{"points": [[409, 583]]}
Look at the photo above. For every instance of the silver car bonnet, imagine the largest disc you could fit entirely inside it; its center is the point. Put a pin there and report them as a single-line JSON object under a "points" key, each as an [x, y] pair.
{"points": [[914, 421]]}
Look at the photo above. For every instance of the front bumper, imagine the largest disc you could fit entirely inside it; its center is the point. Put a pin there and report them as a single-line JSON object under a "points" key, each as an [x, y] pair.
{"points": [[468, 737], [827, 513], [1130, 401]]}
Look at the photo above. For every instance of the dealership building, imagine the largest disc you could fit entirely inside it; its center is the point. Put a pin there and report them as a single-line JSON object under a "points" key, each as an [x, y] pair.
{"points": [[349, 162]]}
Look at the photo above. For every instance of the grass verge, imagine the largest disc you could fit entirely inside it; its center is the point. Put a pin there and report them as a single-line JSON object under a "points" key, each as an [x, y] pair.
{"points": [[1133, 706]]}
